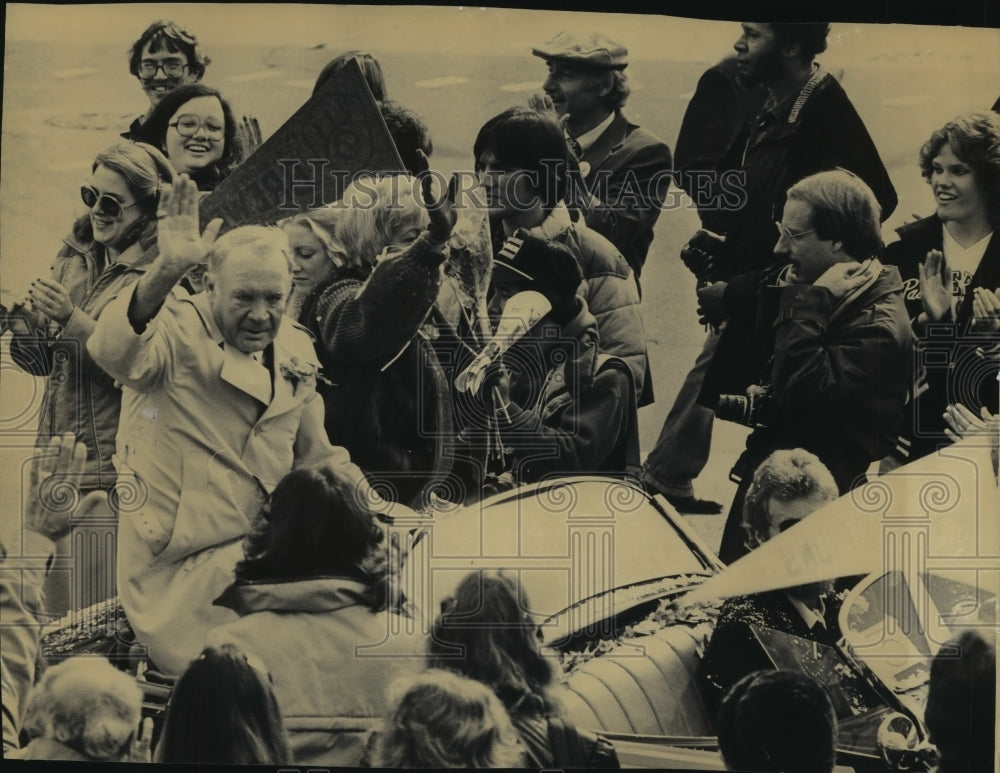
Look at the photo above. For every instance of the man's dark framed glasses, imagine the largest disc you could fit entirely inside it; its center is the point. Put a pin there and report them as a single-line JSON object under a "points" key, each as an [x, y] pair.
{"points": [[172, 68], [105, 202]]}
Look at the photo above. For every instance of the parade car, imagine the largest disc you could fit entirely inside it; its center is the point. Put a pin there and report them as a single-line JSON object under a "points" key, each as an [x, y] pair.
{"points": [[604, 564], [605, 567]]}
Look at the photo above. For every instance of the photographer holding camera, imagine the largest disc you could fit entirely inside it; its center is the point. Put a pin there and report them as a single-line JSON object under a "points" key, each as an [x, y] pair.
{"points": [[842, 345]]}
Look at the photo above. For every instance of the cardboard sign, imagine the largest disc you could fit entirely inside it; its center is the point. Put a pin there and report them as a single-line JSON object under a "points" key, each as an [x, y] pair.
{"points": [[337, 134]]}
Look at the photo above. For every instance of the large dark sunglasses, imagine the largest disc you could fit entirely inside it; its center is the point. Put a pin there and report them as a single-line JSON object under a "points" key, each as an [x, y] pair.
{"points": [[108, 204]]}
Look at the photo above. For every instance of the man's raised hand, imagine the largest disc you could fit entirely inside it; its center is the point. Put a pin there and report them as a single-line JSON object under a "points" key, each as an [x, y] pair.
{"points": [[181, 246]]}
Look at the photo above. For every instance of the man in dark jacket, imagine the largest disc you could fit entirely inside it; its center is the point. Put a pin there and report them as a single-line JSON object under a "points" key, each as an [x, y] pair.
{"points": [[807, 125], [625, 170], [841, 342]]}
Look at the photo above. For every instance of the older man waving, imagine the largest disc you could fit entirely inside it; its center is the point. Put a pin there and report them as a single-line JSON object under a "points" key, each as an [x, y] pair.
{"points": [[219, 403]]}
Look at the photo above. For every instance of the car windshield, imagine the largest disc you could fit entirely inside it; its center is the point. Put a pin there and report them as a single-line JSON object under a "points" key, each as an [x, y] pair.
{"points": [[566, 541], [896, 626]]}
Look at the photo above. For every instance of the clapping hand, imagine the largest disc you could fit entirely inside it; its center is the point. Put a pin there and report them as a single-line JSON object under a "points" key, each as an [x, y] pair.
{"points": [[934, 293], [181, 246], [985, 310], [51, 299], [543, 104], [54, 488], [962, 422], [441, 211]]}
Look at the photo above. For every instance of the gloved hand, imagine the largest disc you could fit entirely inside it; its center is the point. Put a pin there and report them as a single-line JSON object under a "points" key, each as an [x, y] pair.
{"points": [[440, 211], [548, 267]]}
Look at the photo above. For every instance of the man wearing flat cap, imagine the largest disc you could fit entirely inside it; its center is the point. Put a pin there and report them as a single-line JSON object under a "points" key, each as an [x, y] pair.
{"points": [[625, 170]]}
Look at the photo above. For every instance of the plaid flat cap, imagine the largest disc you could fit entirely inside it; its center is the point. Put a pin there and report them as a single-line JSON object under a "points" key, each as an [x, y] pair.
{"points": [[591, 50]]}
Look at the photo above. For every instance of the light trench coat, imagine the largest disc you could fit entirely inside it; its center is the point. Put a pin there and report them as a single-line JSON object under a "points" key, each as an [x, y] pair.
{"points": [[196, 455]]}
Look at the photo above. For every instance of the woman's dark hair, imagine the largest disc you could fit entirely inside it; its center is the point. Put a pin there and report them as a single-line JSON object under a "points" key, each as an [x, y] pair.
{"points": [[521, 138], [780, 721], [961, 705], [171, 36], [811, 36], [154, 131], [409, 134], [484, 633], [974, 138], [370, 69], [223, 710], [317, 523]]}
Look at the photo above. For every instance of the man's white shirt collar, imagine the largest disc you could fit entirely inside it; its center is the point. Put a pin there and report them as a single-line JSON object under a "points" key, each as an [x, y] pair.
{"points": [[589, 138]]}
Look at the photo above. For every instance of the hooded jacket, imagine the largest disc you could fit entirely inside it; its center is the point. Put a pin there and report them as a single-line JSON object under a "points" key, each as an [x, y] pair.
{"points": [[331, 658]]}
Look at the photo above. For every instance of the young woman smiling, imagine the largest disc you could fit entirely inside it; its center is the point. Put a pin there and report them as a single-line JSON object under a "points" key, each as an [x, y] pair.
{"points": [[195, 128]]}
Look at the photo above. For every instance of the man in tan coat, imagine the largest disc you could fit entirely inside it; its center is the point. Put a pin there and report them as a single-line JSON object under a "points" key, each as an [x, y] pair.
{"points": [[219, 403]]}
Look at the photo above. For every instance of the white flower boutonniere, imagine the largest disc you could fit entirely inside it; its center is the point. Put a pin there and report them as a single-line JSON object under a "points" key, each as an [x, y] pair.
{"points": [[296, 372]]}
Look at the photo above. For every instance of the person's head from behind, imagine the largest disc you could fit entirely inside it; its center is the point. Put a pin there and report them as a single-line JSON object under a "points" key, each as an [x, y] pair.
{"points": [[316, 523], [961, 161], [380, 218], [371, 70], [87, 704], [223, 710], [165, 57], [195, 128], [247, 284], [439, 719], [316, 251], [124, 190], [409, 134], [521, 157], [768, 51], [777, 721], [830, 217], [961, 703], [485, 632]]}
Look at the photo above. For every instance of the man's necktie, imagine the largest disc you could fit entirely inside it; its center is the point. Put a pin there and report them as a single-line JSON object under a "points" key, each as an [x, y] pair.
{"points": [[574, 146]]}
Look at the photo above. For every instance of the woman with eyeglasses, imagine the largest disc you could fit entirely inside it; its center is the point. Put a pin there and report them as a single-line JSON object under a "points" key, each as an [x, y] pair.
{"points": [[223, 710], [485, 632], [195, 128], [107, 251]]}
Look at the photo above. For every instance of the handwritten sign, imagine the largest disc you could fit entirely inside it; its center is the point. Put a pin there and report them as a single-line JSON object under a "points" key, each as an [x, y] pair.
{"points": [[335, 136]]}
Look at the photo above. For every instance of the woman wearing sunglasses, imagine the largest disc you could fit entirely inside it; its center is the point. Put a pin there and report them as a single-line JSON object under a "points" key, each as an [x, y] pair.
{"points": [[108, 249], [194, 127]]}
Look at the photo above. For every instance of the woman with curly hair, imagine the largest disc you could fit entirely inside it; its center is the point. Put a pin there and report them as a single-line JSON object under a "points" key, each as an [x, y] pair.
{"points": [[485, 632], [442, 720], [950, 264], [195, 128], [316, 595]]}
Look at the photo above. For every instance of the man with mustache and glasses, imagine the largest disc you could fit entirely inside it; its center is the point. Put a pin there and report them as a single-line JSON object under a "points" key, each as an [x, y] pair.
{"points": [[165, 57]]}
